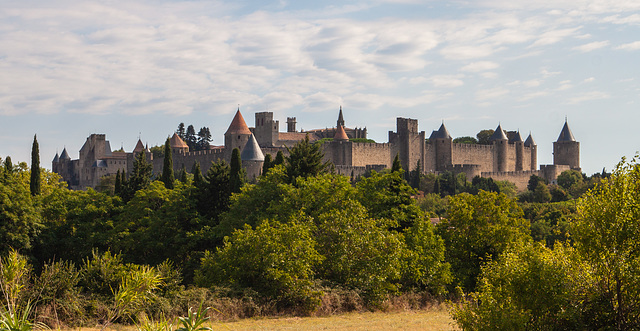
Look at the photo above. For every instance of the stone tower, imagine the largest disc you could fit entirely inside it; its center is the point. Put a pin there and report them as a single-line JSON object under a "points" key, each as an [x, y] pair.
{"points": [[444, 147], [519, 144], [178, 146], [408, 143], [237, 135], [566, 150], [500, 145], [266, 131], [252, 158], [531, 144], [291, 124]]}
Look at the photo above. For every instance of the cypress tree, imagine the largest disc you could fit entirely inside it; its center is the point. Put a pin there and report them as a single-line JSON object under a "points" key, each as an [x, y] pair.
{"points": [[167, 169], [34, 184], [267, 164], [8, 166], [397, 166], [183, 175], [140, 177], [118, 185], [197, 174], [305, 160], [236, 172], [436, 186], [279, 159]]}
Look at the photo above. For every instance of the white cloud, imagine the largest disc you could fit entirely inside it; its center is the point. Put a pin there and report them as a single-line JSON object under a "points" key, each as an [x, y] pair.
{"points": [[554, 36], [591, 46], [589, 80], [588, 96], [480, 66], [630, 46], [490, 94], [447, 80]]}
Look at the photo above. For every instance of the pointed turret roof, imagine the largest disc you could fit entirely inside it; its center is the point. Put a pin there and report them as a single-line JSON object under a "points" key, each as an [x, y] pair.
{"points": [[139, 147], [177, 142], [56, 158], [498, 134], [442, 133], [565, 134], [340, 135], [238, 125], [517, 137], [529, 142], [252, 151], [65, 155], [340, 118]]}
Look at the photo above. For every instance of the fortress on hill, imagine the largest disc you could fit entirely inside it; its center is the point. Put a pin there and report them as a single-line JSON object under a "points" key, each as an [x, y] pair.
{"points": [[508, 157]]}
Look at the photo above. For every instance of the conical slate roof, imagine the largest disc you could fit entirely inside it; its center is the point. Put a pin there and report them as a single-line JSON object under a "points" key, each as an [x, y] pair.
{"points": [[252, 151], [238, 125], [177, 142], [565, 134], [529, 142], [65, 155], [56, 158], [442, 133], [139, 147], [517, 137], [340, 135], [498, 134]]}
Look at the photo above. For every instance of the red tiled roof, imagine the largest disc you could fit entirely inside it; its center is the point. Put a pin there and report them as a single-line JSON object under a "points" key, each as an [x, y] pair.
{"points": [[238, 125], [177, 142], [340, 134]]}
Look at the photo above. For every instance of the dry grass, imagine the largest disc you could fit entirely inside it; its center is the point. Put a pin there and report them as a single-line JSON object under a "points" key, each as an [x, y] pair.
{"points": [[435, 318]]}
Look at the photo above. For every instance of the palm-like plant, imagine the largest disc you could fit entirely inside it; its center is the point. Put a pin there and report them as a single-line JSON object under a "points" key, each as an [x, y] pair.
{"points": [[194, 320]]}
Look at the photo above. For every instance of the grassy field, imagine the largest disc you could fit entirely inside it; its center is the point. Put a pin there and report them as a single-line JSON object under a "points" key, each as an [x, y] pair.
{"points": [[432, 319]]}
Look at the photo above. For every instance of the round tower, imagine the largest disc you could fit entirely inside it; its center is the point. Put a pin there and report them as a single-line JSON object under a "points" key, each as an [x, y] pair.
{"points": [[252, 158], [443, 146], [531, 144], [519, 144], [500, 145], [566, 150], [237, 135]]}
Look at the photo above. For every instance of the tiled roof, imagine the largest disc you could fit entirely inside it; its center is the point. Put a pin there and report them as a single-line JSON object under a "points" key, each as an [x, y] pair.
{"points": [[238, 125], [252, 151], [340, 134]]}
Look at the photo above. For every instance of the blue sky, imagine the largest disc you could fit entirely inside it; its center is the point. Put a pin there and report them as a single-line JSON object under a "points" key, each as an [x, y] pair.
{"points": [[138, 68]]}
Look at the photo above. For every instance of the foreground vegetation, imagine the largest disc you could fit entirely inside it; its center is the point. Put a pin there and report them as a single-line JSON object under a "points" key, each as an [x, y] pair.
{"points": [[304, 241]]}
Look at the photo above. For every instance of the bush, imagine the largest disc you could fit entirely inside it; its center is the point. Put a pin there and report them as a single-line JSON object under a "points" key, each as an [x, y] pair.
{"points": [[275, 259]]}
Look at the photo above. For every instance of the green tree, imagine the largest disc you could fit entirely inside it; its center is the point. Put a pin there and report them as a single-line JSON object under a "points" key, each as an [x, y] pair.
{"points": [[279, 159], [530, 287], [465, 140], [183, 175], [275, 259], [167, 168], [190, 138], [236, 172], [8, 166], [197, 174], [117, 187], [267, 164], [19, 218], [478, 228], [388, 195], [606, 233], [215, 191], [425, 266], [35, 182], [305, 160], [534, 181], [396, 166], [541, 193], [140, 177], [484, 137]]}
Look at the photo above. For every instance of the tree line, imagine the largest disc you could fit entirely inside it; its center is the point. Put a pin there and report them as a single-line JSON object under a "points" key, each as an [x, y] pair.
{"points": [[301, 232]]}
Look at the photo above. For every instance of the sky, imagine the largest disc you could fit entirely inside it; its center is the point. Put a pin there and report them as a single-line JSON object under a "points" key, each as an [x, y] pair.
{"points": [[137, 68]]}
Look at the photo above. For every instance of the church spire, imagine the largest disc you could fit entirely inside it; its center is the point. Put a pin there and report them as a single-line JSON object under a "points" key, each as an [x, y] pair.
{"points": [[340, 119]]}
